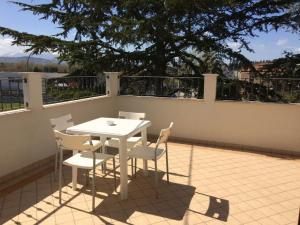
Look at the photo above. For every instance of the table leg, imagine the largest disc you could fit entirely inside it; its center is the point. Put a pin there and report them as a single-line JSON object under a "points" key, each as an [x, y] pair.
{"points": [[102, 140], [74, 174], [123, 168], [144, 143]]}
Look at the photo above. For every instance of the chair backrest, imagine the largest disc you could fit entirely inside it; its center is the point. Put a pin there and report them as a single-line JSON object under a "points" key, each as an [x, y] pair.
{"points": [[132, 115], [164, 135], [62, 123], [74, 142]]}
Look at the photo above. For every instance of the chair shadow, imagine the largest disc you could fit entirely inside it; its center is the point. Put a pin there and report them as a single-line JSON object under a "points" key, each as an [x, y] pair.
{"points": [[41, 196], [173, 201], [218, 208], [175, 197], [142, 199], [67, 197], [35, 198]]}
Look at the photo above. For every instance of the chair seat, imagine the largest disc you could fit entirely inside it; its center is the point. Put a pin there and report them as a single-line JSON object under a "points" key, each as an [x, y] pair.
{"points": [[147, 153], [131, 142], [84, 160], [96, 145]]}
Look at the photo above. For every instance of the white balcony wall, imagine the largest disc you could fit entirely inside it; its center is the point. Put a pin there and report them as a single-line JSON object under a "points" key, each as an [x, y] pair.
{"points": [[26, 135], [262, 126]]}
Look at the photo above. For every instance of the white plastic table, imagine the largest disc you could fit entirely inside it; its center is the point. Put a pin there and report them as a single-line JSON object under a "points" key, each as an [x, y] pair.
{"points": [[122, 129]]}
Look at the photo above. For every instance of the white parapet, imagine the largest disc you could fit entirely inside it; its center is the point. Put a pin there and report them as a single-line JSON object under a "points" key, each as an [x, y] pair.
{"points": [[32, 86], [112, 83], [210, 87]]}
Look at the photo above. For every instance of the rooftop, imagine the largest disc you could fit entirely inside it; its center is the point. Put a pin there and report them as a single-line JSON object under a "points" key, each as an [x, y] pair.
{"points": [[207, 186]]}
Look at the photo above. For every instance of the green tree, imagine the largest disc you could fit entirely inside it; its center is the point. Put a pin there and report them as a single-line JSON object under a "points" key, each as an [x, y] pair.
{"points": [[150, 35], [36, 69], [287, 66]]}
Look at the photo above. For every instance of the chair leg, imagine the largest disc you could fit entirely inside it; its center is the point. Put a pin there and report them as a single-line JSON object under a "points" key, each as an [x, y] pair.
{"points": [[103, 150], [131, 167], [93, 183], [167, 165], [115, 177], [135, 166], [60, 175], [87, 178], [156, 179], [104, 163], [55, 164]]}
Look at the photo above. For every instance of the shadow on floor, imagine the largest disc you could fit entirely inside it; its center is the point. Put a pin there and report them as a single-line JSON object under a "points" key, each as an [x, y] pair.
{"points": [[34, 196], [172, 202], [218, 208]]}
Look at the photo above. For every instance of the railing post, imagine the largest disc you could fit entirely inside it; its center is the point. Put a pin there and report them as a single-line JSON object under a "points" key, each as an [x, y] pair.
{"points": [[210, 87], [112, 83], [32, 90]]}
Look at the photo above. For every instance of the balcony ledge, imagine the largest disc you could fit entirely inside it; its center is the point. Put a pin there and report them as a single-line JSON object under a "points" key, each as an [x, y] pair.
{"points": [[163, 98], [14, 112], [75, 101]]}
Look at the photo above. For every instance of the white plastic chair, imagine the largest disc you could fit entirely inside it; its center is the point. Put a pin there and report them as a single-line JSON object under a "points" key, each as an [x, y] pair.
{"points": [[132, 141], [61, 124], [87, 159], [153, 153]]}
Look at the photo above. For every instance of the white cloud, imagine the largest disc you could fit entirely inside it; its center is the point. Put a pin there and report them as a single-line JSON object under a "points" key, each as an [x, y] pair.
{"points": [[234, 45], [6, 48], [297, 50], [282, 42], [9, 50]]}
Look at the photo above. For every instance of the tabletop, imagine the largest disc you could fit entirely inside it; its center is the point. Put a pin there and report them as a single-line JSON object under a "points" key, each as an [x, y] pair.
{"points": [[112, 127]]}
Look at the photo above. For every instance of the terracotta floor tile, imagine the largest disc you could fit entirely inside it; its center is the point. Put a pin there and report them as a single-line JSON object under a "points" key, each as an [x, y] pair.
{"points": [[266, 220], [235, 187], [253, 223], [64, 218], [280, 219], [140, 220], [243, 218], [85, 221]]}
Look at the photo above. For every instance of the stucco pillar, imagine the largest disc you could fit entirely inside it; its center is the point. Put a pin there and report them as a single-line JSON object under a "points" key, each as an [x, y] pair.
{"points": [[112, 83], [210, 87], [32, 89]]}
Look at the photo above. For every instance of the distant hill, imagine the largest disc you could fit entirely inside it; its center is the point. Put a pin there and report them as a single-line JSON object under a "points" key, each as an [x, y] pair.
{"points": [[34, 60]]}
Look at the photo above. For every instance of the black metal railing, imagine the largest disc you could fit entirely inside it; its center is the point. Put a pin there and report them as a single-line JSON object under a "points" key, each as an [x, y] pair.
{"points": [[11, 94], [71, 88], [280, 90], [161, 86]]}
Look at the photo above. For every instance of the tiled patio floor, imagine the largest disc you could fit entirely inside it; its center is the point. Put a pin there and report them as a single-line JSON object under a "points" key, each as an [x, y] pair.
{"points": [[208, 186]]}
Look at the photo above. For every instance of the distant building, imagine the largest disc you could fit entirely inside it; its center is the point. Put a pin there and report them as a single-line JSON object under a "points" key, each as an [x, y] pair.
{"points": [[246, 73]]}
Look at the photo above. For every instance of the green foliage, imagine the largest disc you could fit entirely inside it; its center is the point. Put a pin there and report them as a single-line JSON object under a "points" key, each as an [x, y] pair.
{"points": [[187, 87], [71, 88], [69, 94], [10, 106], [264, 90], [150, 35], [22, 67], [288, 66]]}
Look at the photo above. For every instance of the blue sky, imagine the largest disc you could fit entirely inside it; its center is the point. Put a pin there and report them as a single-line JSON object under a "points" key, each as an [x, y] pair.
{"points": [[266, 46]]}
